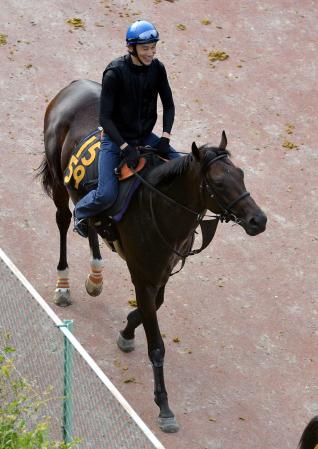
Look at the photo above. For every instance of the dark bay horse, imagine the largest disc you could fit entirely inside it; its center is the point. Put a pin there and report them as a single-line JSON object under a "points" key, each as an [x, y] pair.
{"points": [[309, 438], [154, 234]]}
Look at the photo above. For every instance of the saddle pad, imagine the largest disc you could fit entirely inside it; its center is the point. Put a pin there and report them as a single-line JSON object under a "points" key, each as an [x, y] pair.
{"points": [[81, 174], [82, 171]]}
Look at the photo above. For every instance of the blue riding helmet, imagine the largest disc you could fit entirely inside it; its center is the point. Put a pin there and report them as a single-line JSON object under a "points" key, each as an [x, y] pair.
{"points": [[141, 32]]}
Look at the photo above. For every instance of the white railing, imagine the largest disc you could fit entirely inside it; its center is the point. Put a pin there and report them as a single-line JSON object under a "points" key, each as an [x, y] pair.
{"points": [[100, 416]]}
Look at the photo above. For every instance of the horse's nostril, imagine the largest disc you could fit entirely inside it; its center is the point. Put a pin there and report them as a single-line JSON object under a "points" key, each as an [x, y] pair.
{"points": [[258, 221]]}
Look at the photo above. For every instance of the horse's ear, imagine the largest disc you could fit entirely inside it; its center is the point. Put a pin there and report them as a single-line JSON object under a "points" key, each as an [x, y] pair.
{"points": [[196, 151], [223, 142]]}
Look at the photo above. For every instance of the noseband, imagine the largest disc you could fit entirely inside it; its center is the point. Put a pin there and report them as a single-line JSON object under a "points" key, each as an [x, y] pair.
{"points": [[226, 211]]}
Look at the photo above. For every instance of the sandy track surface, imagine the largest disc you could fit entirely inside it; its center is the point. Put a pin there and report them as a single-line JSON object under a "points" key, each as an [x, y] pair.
{"points": [[244, 373]]}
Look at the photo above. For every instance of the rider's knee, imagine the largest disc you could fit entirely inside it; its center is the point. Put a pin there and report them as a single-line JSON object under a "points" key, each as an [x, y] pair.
{"points": [[106, 197]]}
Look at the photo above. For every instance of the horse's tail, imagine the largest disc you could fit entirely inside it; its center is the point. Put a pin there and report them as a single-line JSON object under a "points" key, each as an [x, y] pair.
{"points": [[309, 438], [47, 180], [43, 172]]}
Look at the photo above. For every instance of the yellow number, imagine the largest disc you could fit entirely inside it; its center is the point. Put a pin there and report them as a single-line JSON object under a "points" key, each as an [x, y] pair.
{"points": [[85, 145], [73, 162], [79, 174], [92, 153]]}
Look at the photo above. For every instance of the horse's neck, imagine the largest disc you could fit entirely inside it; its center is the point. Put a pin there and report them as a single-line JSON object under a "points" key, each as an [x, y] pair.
{"points": [[186, 188], [172, 218]]}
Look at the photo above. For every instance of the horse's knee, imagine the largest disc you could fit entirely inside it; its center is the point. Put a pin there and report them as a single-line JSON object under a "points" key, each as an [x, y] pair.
{"points": [[156, 356]]}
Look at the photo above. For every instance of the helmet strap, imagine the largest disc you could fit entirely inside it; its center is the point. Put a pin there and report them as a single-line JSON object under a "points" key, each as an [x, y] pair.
{"points": [[135, 53]]}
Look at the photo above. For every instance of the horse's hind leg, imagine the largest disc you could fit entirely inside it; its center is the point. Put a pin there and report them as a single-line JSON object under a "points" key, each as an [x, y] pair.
{"points": [[94, 281], [126, 337], [62, 295]]}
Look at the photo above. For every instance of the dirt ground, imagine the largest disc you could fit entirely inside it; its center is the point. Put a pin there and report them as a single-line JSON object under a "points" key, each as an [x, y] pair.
{"points": [[244, 373]]}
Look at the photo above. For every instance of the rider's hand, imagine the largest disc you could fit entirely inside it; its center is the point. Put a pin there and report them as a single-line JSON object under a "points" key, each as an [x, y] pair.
{"points": [[130, 156], [163, 146]]}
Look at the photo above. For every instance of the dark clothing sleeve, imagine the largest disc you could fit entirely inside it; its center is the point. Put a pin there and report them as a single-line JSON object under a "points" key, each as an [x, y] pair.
{"points": [[107, 103], [167, 101]]}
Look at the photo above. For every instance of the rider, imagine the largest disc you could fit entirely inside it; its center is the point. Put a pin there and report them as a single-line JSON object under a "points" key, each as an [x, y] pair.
{"points": [[128, 113]]}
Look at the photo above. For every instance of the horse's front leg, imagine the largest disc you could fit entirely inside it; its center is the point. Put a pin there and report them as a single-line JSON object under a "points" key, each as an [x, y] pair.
{"points": [[126, 337], [94, 281], [62, 295], [146, 300]]}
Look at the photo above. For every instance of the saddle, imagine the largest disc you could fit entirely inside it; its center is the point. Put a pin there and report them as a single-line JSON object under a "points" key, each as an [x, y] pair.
{"points": [[81, 175]]}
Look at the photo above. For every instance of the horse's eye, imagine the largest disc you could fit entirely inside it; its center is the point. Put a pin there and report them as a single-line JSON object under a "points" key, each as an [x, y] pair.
{"points": [[218, 182], [241, 172]]}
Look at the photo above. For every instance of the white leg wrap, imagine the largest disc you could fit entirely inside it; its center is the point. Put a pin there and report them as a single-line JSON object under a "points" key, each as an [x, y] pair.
{"points": [[98, 264], [94, 282], [96, 275], [62, 282]]}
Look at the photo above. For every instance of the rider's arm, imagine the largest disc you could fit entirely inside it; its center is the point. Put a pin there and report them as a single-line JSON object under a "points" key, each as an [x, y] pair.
{"points": [[167, 103], [109, 88]]}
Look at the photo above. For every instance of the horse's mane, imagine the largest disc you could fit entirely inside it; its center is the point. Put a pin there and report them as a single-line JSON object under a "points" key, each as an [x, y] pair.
{"points": [[170, 169], [176, 167]]}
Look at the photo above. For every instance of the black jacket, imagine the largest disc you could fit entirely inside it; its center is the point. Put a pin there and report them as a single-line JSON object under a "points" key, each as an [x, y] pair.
{"points": [[129, 96]]}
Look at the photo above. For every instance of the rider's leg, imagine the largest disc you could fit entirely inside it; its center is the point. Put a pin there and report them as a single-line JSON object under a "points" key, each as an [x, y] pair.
{"points": [[107, 189]]}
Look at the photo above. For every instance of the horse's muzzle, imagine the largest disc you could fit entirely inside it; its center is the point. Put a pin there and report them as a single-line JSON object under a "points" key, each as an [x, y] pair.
{"points": [[255, 224]]}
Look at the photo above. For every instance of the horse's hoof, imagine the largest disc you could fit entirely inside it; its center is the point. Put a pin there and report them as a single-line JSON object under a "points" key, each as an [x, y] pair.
{"points": [[168, 425], [62, 297], [124, 344], [92, 288]]}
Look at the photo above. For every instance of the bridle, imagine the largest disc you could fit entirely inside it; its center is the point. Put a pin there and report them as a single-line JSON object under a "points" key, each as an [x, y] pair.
{"points": [[226, 213], [208, 227]]}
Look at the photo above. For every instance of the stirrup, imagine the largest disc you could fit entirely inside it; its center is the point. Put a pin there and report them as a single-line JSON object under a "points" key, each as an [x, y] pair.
{"points": [[81, 227]]}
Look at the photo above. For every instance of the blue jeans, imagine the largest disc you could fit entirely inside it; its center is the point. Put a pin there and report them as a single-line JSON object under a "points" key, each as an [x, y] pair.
{"points": [[105, 195]]}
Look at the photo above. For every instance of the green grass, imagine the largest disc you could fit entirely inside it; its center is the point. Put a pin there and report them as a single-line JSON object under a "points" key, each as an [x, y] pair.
{"points": [[23, 424]]}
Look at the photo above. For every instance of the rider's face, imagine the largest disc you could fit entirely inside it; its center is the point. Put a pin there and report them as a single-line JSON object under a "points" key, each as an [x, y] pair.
{"points": [[146, 52]]}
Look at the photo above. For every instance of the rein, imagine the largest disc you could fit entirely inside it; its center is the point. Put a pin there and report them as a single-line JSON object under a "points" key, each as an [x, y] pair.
{"points": [[208, 227]]}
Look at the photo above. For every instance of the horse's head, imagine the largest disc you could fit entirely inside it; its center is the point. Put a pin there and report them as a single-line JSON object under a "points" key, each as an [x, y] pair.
{"points": [[224, 190]]}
